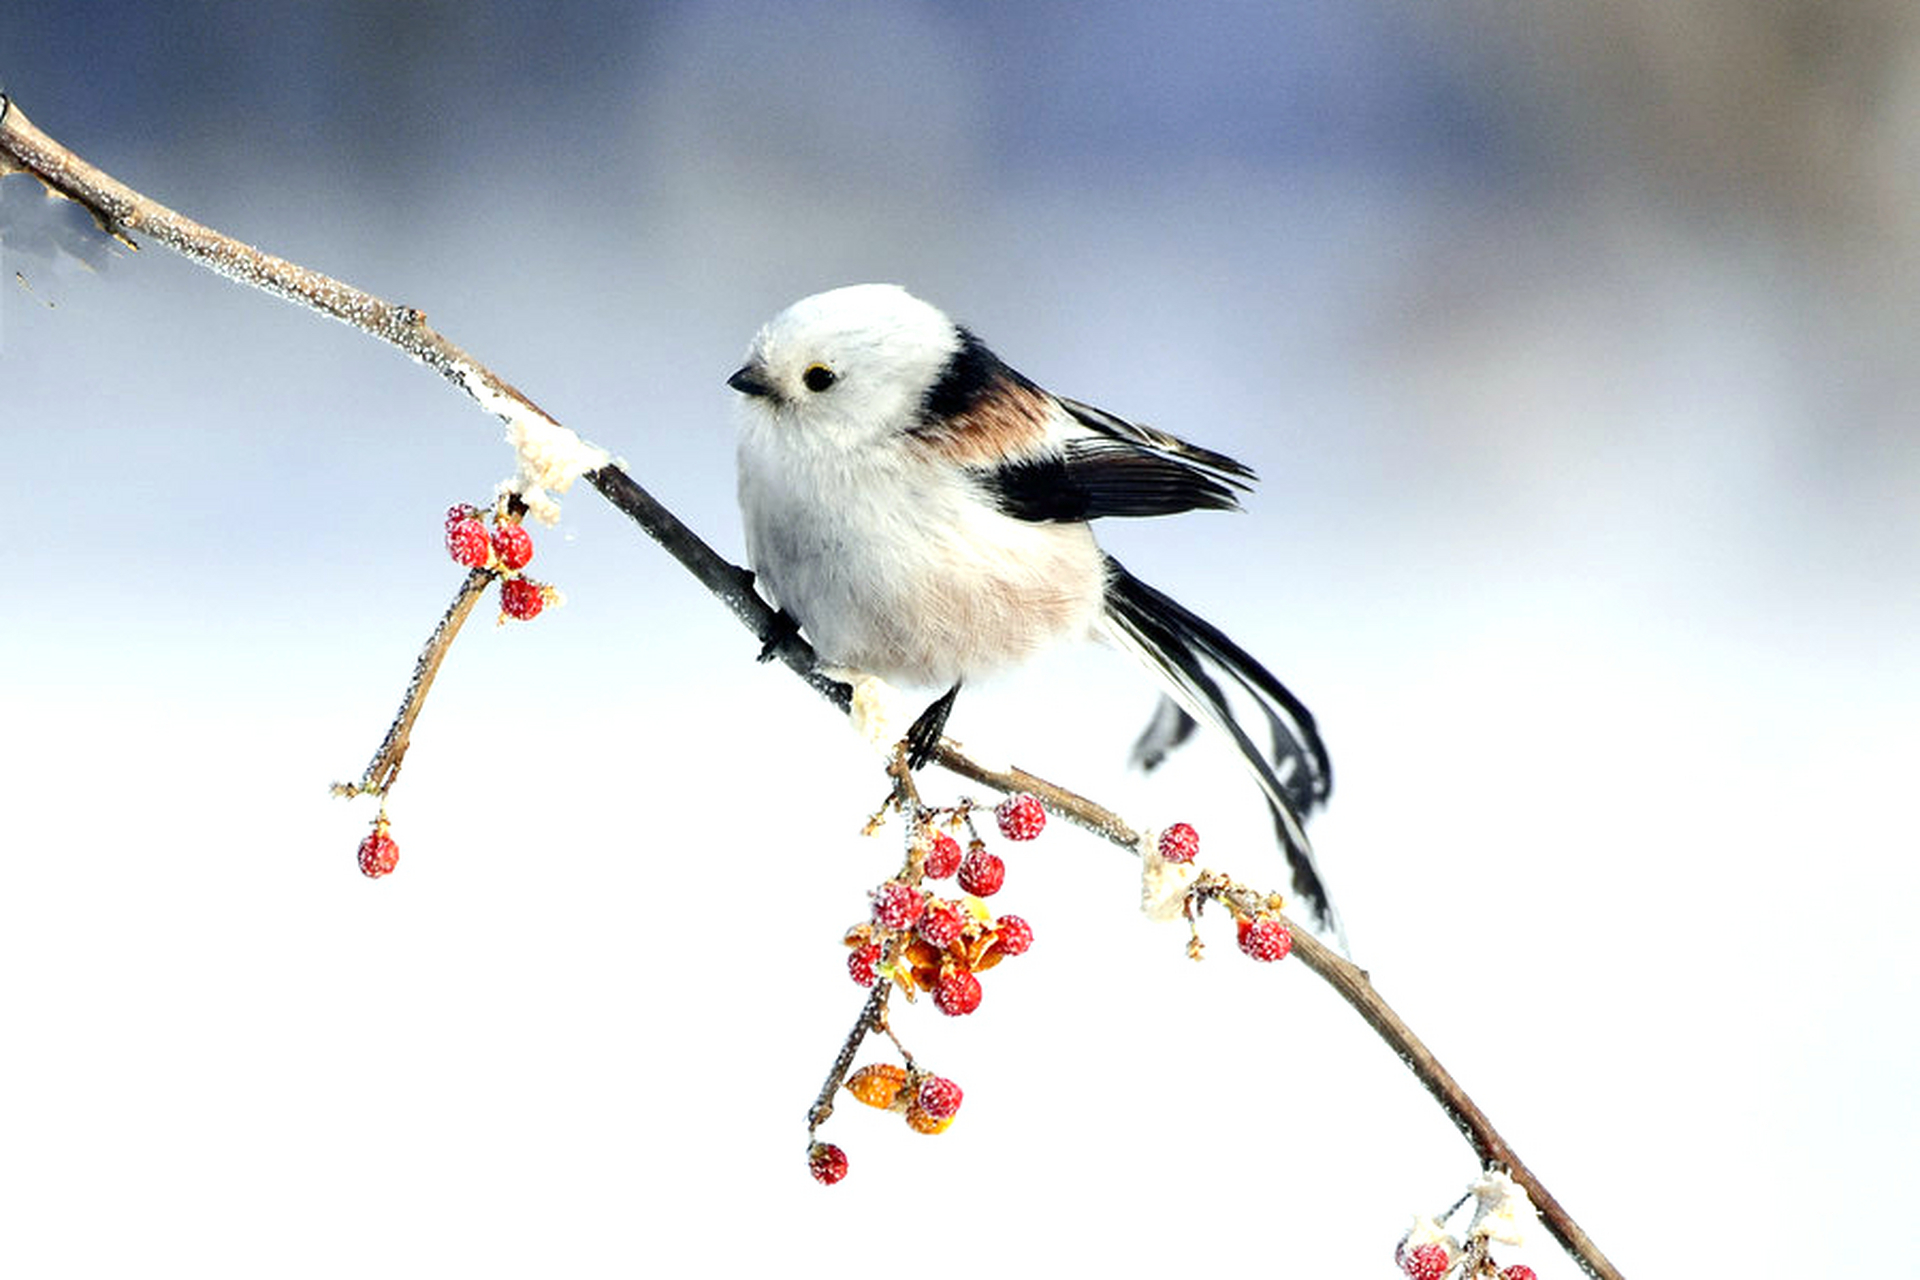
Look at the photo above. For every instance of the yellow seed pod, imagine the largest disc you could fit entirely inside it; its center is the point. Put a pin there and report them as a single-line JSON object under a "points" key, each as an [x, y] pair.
{"points": [[920, 1120], [878, 1084]]}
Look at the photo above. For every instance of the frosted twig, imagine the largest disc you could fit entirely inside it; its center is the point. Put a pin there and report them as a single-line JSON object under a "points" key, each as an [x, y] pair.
{"points": [[385, 765]]}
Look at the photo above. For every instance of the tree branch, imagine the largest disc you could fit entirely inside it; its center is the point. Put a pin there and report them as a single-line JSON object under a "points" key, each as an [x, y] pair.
{"points": [[121, 210]]}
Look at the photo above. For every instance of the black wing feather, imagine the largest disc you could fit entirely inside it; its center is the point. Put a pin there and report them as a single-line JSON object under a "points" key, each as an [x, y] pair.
{"points": [[1122, 469], [1096, 477]]}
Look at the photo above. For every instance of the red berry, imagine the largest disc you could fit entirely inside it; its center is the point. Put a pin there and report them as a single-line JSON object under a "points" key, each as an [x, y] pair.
{"points": [[896, 905], [1179, 843], [1265, 939], [378, 853], [1427, 1261], [982, 873], [521, 598], [944, 858], [460, 511], [862, 964], [827, 1163], [1014, 935], [939, 1097], [1518, 1271], [941, 924], [513, 544], [957, 993], [467, 542], [1021, 817]]}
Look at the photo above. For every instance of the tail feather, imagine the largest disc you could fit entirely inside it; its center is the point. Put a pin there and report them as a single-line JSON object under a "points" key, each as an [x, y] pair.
{"points": [[1169, 728], [1186, 652]]}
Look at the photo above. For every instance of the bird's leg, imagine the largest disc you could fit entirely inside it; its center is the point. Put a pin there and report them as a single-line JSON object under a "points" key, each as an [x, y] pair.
{"points": [[783, 628], [923, 736]]}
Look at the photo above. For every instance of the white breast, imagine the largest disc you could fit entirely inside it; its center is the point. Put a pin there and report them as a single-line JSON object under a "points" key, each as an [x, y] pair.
{"points": [[897, 566]]}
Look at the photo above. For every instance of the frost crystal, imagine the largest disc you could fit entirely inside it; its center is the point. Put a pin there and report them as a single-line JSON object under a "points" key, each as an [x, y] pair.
{"points": [[551, 456], [875, 709], [1503, 1212], [1163, 884]]}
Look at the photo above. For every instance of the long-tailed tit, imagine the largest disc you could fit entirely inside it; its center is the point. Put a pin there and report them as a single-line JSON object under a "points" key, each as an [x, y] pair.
{"points": [[921, 510]]}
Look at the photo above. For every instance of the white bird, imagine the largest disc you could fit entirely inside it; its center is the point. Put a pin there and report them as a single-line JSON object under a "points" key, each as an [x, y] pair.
{"points": [[921, 510]]}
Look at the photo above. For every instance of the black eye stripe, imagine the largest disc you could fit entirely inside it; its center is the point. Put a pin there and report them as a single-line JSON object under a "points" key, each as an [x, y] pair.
{"points": [[818, 377]]}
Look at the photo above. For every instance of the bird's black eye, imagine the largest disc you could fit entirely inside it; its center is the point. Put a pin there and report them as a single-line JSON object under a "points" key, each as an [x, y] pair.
{"points": [[818, 377]]}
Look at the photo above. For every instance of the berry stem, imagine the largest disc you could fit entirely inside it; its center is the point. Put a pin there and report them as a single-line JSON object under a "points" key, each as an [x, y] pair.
{"points": [[872, 1014], [385, 766]]}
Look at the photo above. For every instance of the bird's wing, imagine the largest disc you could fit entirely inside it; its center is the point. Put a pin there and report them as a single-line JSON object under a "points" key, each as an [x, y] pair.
{"points": [[1095, 464]]}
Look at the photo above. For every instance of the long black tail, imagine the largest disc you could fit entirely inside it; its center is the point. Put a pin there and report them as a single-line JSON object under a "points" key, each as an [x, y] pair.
{"points": [[1187, 652]]}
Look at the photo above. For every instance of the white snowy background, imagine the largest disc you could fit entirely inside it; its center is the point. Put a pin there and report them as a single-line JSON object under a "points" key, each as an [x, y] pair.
{"points": [[1576, 353]]}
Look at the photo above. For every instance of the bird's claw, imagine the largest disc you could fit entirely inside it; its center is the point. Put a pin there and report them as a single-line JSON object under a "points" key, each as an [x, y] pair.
{"points": [[783, 628]]}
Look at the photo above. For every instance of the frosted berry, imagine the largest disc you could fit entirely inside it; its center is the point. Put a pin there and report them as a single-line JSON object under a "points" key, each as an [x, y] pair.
{"points": [[862, 964], [957, 993], [1427, 1261], [1265, 938], [941, 924], [982, 873], [1014, 935], [1518, 1271], [939, 1097], [1179, 843], [467, 542], [827, 1163], [460, 511], [521, 599], [896, 905], [513, 544], [1021, 817], [379, 855], [944, 858]]}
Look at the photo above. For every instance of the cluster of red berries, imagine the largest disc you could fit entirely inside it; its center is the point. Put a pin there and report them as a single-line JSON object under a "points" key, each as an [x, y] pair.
{"points": [[947, 943], [506, 551], [940, 945]]}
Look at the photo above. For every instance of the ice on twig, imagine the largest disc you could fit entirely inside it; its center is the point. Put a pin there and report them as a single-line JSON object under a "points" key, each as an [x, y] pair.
{"points": [[1502, 1212], [876, 708], [551, 456], [1163, 884]]}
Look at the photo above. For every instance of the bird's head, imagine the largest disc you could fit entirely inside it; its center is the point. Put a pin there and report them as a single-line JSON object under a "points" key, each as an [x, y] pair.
{"points": [[846, 368]]}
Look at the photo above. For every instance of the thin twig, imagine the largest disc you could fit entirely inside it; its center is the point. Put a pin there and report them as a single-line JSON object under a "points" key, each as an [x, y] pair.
{"points": [[872, 1015], [386, 762], [120, 209]]}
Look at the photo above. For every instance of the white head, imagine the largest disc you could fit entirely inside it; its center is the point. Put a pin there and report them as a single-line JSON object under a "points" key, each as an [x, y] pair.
{"points": [[846, 367]]}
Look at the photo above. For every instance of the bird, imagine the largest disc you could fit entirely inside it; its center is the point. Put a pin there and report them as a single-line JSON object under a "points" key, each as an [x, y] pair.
{"points": [[923, 513]]}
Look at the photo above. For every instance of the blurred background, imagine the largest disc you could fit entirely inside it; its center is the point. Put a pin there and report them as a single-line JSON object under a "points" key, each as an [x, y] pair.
{"points": [[1573, 343]]}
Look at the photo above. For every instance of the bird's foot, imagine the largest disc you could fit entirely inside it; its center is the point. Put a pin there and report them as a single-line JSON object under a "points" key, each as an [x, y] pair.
{"points": [[923, 735], [783, 628]]}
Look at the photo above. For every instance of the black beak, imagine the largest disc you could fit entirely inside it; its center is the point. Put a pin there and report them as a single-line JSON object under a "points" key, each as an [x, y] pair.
{"points": [[748, 380]]}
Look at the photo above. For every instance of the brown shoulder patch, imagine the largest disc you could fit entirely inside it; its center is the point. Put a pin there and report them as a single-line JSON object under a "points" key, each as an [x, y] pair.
{"points": [[1006, 420]]}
